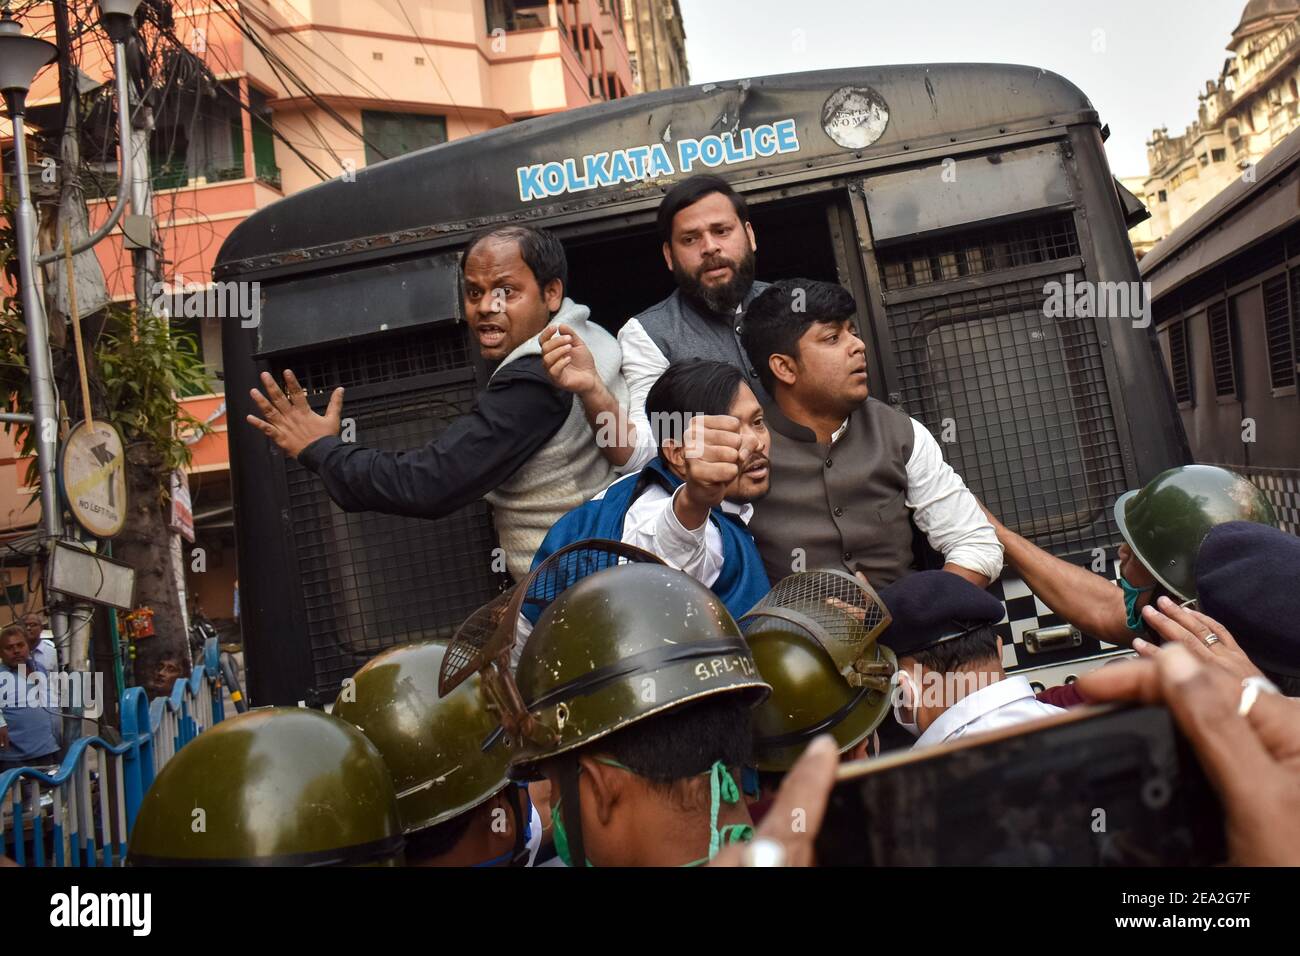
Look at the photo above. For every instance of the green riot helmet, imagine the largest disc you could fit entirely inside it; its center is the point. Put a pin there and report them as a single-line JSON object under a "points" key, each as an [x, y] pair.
{"points": [[432, 744], [813, 637], [620, 637], [284, 786], [619, 646], [1167, 520]]}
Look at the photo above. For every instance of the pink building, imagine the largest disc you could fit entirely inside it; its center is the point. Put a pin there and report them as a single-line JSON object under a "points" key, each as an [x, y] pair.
{"points": [[261, 99]]}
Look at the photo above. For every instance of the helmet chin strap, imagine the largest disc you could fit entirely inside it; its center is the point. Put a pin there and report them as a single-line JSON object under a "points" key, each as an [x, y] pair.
{"points": [[571, 808], [519, 855]]}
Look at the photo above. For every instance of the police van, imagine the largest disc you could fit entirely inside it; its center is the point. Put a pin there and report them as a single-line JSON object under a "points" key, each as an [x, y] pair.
{"points": [[959, 203]]}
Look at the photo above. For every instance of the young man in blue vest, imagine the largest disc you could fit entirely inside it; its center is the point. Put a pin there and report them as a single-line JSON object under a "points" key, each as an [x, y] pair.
{"points": [[691, 503]]}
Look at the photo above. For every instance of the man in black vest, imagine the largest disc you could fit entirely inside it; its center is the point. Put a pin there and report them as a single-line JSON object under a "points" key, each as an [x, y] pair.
{"points": [[709, 247], [850, 475]]}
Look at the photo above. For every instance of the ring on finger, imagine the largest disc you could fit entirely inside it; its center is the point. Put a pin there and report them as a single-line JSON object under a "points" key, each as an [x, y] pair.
{"points": [[763, 852], [1211, 639], [1251, 688]]}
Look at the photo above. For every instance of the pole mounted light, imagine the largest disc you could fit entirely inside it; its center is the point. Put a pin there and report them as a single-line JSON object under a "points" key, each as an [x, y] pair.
{"points": [[118, 16], [21, 58], [118, 19]]}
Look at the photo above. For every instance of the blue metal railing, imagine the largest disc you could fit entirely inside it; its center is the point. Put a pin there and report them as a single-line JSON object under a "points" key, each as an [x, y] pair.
{"points": [[91, 812]]}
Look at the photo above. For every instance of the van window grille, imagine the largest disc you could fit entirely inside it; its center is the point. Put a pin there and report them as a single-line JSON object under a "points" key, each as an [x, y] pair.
{"points": [[439, 348], [371, 581], [1180, 366], [1277, 333], [1024, 397], [977, 251], [1221, 358], [1295, 319]]}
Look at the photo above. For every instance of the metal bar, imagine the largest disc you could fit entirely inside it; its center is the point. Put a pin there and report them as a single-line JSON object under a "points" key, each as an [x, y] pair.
{"points": [[1051, 268], [38, 828], [86, 817], [15, 418], [44, 414], [124, 179], [105, 833], [118, 767], [20, 828], [60, 831]]}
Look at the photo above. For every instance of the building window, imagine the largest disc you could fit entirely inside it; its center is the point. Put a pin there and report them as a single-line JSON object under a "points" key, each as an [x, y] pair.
{"points": [[1180, 364], [510, 15], [1164, 196], [1218, 155], [1204, 159], [393, 134], [1222, 360], [1277, 333]]}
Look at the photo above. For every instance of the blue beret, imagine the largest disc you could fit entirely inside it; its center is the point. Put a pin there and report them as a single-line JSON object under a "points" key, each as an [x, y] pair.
{"points": [[1248, 579], [930, 607]]}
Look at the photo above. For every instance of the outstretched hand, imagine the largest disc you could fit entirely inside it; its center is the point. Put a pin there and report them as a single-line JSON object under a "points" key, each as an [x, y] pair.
{"points": [[287, 419]]}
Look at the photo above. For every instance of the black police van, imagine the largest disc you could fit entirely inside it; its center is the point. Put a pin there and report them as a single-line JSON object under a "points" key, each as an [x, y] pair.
{"points": [[951, 199]]}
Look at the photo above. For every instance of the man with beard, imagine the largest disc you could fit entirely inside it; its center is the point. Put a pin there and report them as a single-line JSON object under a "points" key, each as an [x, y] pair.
{"points": [[708, 246], [526, 446], [690, 505]]}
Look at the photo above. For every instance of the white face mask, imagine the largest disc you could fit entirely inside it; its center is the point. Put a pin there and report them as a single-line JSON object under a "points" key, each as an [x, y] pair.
{"points": [[905, 698]]}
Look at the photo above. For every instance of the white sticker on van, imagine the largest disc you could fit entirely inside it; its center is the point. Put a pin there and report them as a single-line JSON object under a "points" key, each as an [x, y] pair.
{"points": [[635, 163], [855, 116]]}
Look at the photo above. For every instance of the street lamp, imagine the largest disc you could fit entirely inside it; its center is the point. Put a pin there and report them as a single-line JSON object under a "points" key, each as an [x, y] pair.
{"points": [[21, 57], [117, 17]]}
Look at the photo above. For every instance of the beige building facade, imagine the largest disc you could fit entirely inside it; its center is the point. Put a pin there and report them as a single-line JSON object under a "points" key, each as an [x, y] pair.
{"points": [[656, 41], [1244, 113]]}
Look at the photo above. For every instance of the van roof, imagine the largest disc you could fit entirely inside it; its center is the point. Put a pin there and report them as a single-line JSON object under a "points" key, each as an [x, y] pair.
{"points": [[793, 125]]}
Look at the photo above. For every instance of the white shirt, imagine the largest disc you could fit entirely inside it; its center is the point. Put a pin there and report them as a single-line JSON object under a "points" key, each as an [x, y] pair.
{"points": [[45, 654], [643, 363], [652, 525], [1001, 704], [944, 509]]}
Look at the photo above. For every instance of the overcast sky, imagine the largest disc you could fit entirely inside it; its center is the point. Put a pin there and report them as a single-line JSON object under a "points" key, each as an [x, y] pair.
{"points": [[1141, 62]]}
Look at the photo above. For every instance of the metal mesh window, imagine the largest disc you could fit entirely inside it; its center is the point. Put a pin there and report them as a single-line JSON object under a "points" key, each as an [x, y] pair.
{"points": [[975, 252], [1180, 366], [1025, 398], [440, 349], [371, 581], [1295, 318], [1277, 333], [1221, 358]]}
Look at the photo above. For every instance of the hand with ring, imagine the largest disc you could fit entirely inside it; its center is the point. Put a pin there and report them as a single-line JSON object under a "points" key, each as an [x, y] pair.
{"points": [[1246, 737], [287, 419], [1208, 640]]}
